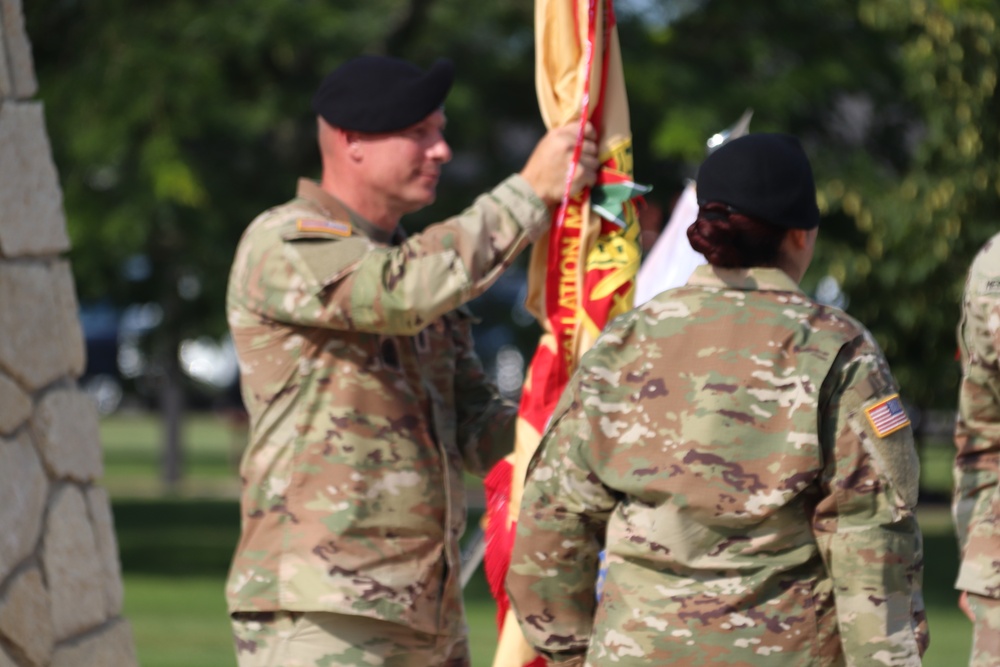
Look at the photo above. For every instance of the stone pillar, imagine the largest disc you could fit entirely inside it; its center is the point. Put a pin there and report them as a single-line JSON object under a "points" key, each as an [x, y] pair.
{"points": [[60, 578]]}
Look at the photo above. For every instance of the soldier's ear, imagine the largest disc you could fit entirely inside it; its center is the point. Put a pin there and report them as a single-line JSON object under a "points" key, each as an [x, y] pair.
{"points": [[799, 238], [355, 146]]}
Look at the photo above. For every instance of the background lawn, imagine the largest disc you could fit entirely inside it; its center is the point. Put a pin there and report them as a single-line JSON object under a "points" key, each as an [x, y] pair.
{"points": [[175, 550]]}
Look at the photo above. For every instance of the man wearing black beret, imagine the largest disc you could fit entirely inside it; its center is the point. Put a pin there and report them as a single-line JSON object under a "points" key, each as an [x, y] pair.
{"points": [[367, 402]]}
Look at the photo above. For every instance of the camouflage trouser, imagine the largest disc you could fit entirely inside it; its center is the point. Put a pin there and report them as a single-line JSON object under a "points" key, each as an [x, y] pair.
{"points": [[986, 637], [319, 639]]}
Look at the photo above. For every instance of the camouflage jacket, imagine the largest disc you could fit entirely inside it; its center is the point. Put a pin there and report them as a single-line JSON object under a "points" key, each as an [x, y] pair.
{"points": [[367, 403], [740, 452], [977, 431]]}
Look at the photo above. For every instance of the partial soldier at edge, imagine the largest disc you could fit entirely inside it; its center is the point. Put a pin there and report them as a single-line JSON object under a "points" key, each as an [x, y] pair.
{"points": [[976, 503]]}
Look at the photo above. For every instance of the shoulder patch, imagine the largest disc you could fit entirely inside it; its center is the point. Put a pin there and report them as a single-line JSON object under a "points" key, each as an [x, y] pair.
{"points": [[321, 226], [991, 286], [887, 416]]}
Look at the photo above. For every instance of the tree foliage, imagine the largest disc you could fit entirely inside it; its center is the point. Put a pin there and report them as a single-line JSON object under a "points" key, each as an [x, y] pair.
{"points": [[174, 125], [896, 102], [922, 223]]}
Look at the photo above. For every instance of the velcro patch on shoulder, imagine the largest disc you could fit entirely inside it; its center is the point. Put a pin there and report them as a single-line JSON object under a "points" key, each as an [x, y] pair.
{"points": [[991, 286], [321, 226], [887, 416]]}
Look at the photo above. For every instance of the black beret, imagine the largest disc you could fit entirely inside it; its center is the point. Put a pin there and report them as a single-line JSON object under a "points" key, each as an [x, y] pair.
{"points": [[380, 94], [764, 176]]}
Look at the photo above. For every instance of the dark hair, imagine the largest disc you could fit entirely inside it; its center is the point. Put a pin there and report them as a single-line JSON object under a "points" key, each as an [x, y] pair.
{"points": [[731, 240]]}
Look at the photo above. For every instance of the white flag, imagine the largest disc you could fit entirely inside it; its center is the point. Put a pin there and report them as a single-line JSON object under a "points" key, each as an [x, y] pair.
{"points": [[671, 260]]}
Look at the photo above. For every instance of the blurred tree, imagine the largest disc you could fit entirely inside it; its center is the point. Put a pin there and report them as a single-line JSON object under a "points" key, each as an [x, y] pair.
{"points": [[895, 101], [174, 126], [922, 222], [166, 124]]}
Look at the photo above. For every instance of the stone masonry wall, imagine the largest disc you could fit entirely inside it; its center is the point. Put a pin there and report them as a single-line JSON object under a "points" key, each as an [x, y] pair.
{"points": [[60, 579]]}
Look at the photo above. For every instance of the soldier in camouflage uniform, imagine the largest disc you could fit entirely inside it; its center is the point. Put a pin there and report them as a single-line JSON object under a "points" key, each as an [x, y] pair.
{"points": [[367, 402], [977, 461], [741, 453]]}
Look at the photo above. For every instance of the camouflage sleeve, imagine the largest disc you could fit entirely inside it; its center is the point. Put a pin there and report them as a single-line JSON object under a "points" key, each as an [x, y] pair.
{"points": [[561, 526], [865, 524], [977, 432], [485, 419], [351, 283]]}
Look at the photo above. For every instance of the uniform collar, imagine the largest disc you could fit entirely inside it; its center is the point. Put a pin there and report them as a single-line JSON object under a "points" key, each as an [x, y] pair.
{"points": [[338, 210], [756, 278]]}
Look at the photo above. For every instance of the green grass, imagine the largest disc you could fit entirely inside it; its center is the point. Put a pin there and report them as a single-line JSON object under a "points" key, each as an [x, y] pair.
{"points": [[178, 620], [935, 470], [951, 632], [132, 444], [175, 554], [175, 551]]}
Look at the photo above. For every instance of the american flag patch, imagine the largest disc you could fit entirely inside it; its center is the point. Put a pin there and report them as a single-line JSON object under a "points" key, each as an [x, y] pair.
{"points": [[887, 416], [323, 226]]}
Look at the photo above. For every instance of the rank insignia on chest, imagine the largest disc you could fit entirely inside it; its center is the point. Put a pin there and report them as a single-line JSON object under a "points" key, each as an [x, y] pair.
{"points": [[335, 227], [887, 416]]}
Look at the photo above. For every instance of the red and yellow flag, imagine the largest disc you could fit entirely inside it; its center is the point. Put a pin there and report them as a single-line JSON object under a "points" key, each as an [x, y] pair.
{"points": [[581, 274]]}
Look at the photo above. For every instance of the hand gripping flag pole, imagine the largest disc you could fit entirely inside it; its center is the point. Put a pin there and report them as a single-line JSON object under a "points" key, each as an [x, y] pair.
{"points": [[581, 273]]}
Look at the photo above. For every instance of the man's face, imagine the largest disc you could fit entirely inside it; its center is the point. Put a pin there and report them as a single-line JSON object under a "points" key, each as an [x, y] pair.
{"points": [[404, 167]]}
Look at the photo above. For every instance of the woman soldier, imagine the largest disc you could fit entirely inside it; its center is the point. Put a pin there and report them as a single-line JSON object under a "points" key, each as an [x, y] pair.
{"points": [[742, 454]]}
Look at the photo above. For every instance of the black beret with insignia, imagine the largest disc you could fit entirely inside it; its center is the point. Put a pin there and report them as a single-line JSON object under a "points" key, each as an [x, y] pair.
{"points": [[381, 94], [764, 176]]}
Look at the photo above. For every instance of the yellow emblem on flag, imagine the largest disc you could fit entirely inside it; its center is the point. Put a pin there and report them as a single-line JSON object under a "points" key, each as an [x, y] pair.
{"points": [[887, 416]]}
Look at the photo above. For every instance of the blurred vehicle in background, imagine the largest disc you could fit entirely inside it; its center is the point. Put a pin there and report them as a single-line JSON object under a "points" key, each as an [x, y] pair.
{"points": [[101, 379], [119, 371]]}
